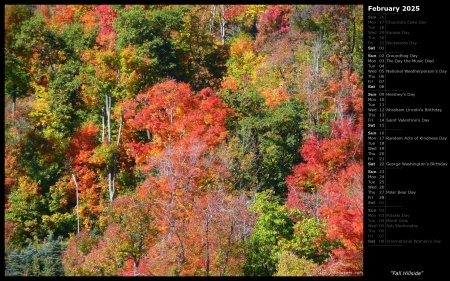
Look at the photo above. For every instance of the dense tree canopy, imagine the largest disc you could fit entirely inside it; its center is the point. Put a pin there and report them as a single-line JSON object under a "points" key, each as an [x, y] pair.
{"points": [[191, 140]]}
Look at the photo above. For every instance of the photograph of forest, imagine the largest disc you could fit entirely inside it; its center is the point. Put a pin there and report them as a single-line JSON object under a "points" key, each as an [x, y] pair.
{"points": [[183, 140]]}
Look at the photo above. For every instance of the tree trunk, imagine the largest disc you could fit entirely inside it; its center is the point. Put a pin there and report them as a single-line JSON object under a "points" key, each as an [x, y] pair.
{"points": [[13, 109], [116, 156], [108, 124], [120, 129], [207, 247], [212, 19], [317, 52], [111, 195], [103, 125], [316, 75], [76, 192], [258, 162], [222, 23], [228, 251], [135, 266], [108, 116], [180, 254]]}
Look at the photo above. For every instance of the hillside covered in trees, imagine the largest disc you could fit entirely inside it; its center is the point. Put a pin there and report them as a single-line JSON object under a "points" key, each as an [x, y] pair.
{"points": [[210, 140]]}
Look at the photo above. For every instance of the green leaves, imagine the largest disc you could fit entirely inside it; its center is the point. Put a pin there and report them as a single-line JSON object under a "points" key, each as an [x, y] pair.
{"points": [[132, 27], [281, 137], [290, 264], [277, 236], [310, 241], [16, 77], [104, 154], [15, 16], [77, 40], [60, 223], [26, 206], [64, 93], [149, 33], [273, 228], [272, 136]]}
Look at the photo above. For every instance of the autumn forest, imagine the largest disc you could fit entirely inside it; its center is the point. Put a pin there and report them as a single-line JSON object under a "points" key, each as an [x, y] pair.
{"points": [[183, 140]]}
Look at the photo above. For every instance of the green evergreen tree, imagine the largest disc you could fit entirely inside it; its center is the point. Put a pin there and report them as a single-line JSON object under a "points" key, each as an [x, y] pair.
{"points": [[36, 259]]}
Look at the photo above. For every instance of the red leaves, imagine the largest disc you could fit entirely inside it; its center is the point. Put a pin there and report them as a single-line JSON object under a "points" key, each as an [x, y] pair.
{"points": [[80, 150], [207, 241], [233, 11], [182, 168], [175, 116], [329, 186], [106, 34], [63, 15], [102, 16], [163, 110], [83, 143], [77, 249], [184, 128], [274, 20], [343, 210], [336, 152]]}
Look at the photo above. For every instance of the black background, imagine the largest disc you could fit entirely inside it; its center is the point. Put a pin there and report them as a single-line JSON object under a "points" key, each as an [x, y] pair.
{"points": [[429, 208]]}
